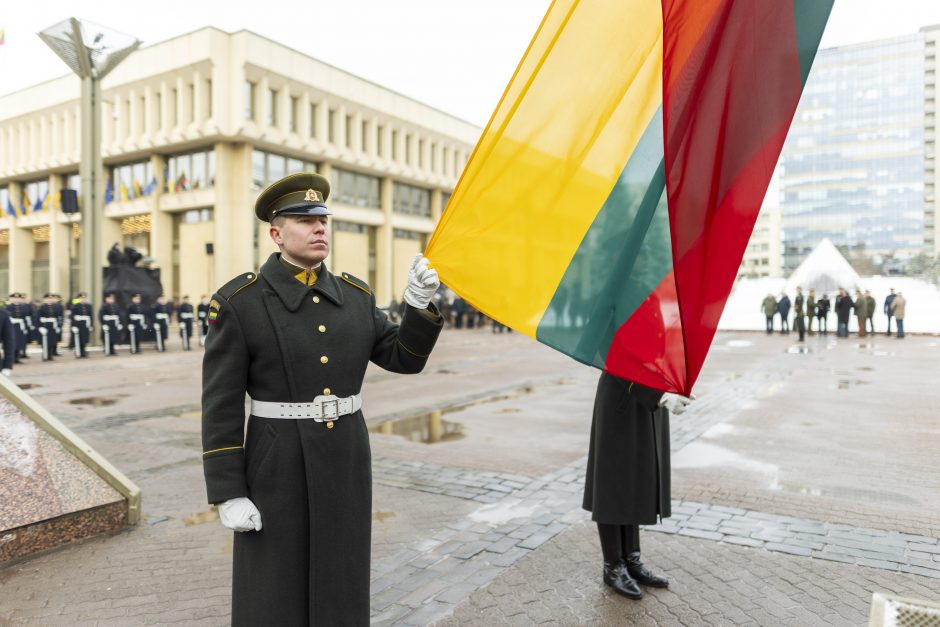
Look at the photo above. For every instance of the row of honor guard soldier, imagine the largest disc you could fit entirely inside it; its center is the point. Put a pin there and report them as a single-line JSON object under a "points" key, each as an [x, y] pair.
{"points": [[44, 324]]}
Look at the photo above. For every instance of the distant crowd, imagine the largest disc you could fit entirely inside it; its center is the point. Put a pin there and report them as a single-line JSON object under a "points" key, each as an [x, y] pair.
{"points": [[457, 313], [808, 308]]}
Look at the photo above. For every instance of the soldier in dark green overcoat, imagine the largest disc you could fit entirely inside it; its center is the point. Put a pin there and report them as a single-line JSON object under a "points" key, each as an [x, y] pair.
{"points": [[627, 482], [297, 484]]}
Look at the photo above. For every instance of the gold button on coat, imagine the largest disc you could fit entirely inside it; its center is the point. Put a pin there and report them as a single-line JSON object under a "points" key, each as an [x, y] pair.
{"points": [[324, 359], [329, 425], [316, 299], [322, 328], [326, 391]]}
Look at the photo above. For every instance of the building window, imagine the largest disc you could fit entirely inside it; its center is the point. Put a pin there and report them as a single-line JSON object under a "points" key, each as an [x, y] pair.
{"points": [[348, 227], [6, 205], [365, 136], [433, 157], [394, 145], [195, 216], [130, 181], [407, 149], [267, 167], [349, 126], [403, 234], [421, 153], [294, 107], [249, 100], [353, 188], [174, 108], [445, 198], [313, 119], [272, 107], [379, 143], [190, 171], [331, 130], [411, 200], [209, 97], [158, 114]]}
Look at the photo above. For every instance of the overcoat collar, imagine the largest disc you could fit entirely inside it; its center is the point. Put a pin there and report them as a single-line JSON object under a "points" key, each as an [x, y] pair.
{"points": [[291, 291]]}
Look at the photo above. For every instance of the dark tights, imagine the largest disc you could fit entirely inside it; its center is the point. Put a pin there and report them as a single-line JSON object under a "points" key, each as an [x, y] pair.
{"points": [[618, 541]]}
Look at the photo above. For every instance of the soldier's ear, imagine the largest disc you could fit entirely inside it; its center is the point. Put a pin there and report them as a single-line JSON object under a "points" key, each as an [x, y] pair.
{"points": [[275, 232]]}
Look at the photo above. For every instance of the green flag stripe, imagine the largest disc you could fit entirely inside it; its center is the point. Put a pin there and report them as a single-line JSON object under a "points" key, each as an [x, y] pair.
{"points": [[625, 254]]}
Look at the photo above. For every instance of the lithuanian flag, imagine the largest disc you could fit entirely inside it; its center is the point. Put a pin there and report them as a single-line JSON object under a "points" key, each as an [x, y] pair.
{"points": [[607, 205]]}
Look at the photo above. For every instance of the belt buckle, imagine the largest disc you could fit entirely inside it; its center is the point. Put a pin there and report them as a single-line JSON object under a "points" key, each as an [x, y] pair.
{"points": [[327, 401]]}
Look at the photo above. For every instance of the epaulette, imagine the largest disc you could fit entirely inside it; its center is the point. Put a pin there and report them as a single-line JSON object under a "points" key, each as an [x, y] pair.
{"points": [[357, 283], [236, 285]]}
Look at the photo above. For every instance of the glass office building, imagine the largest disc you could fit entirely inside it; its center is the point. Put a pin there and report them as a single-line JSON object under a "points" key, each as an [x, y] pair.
{"points": [[853, 165]]}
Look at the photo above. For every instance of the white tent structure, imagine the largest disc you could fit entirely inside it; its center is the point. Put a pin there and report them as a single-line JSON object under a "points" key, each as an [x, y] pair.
{"points": [[826, 270]]}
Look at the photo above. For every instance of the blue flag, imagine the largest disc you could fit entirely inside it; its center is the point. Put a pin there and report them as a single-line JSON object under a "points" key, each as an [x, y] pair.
{"points": [[10, 210], [109, 192]]}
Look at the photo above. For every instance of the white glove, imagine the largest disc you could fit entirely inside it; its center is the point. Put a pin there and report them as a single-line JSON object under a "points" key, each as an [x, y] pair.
{"points": [[6, 372], [422, 283], [240, 515], [674, 403]]}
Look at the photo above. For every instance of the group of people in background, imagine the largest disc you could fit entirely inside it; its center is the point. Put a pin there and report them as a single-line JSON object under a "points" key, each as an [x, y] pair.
{"points": [[457, 312], [49, 323], [808, 308]]}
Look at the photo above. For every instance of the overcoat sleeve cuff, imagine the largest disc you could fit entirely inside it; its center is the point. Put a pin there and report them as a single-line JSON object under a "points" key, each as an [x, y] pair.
{"points": [[225, 475], [419, 330], [647, 397]]}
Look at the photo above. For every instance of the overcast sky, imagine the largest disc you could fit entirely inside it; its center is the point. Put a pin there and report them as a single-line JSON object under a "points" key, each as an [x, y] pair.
{"points": [[456, 56]]}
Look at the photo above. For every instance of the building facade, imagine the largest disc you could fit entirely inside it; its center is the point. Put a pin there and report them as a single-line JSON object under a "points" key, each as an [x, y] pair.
{"points": [[193, 129], [857, 165], [763, 256]]}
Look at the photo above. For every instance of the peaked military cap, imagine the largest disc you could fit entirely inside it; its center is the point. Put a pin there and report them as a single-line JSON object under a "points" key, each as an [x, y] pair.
{"points": [[300, 194]]}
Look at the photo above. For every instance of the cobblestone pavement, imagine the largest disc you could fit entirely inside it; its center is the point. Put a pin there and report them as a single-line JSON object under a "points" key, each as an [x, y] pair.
{"points": [[797, 495]]}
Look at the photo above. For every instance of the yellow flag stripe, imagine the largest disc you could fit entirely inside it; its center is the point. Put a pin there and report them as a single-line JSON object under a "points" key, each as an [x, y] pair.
{"points": [[580, 100]]}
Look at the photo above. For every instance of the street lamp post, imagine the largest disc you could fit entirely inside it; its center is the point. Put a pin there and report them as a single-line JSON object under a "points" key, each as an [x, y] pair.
{"points": [[91, 51]]}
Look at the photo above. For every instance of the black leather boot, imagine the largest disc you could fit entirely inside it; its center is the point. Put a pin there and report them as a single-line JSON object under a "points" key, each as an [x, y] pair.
{"points": [[617, 577], [641, 573]]}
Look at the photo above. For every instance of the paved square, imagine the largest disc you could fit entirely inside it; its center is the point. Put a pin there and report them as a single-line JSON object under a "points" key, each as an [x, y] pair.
{"points": [[804, 479]]}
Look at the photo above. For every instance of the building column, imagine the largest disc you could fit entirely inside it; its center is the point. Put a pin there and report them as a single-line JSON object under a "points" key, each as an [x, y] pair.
{"points": [[161, 231], [60, 238], [234, 221], [21, 249], [384, 254]]}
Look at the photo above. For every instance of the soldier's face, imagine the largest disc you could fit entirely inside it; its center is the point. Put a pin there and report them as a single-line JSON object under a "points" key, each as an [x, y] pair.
{"points": [[305, 239]]}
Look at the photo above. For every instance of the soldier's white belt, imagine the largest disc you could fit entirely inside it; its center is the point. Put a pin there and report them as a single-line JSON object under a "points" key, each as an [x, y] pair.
{"points": [[186, 316], [322, 409], [82, 318], [162, 316]]}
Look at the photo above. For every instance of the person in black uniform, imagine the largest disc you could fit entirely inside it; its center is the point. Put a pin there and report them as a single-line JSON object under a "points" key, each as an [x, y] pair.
{"points": [[136, 323], [160, 316], [202, 311], [298, 339], [59, 309], [81, 321], [628, 476], [184, 318], [18, 314], [8, 340], [32, 320], [111, 324], [49, 328]]}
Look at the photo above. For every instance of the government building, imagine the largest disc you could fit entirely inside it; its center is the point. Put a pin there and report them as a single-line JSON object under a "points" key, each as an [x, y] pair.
{"points": [[193, 129]]}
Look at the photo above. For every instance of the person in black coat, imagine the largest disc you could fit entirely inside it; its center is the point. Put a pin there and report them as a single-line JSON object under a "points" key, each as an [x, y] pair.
{"points": [[297, 486], [19, 312], [8, 340], [137, 323], [160, 317], [783, 308], [822, 313], [49, 328], [184, 318], [887, 308], [202, 312], [844, 306], [81, 322], [628, 476], [112, 323]]}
